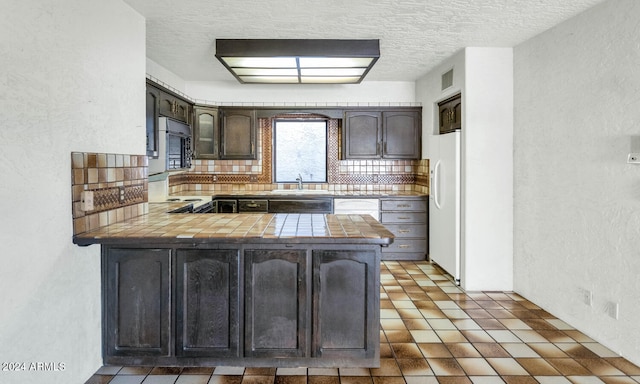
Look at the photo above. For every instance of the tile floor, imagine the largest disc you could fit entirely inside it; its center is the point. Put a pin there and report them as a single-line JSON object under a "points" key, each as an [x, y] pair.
{"points": [[432, 332]]}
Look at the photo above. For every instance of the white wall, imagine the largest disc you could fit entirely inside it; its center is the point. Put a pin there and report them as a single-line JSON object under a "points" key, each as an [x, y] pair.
{"points": [[577, 201], [71, 79], [485, 78], [375, 92]]}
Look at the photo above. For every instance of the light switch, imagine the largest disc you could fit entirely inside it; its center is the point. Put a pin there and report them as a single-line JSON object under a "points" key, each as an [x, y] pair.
{"points": [[86, 201]]}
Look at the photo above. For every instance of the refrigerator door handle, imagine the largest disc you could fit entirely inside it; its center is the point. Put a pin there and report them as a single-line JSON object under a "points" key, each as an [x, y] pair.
{"points": [[436, 184]]}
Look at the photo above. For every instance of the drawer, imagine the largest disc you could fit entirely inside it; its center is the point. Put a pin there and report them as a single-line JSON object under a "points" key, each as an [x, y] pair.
{"points": [[247, 206], [406, 245], [408, 230], [403, 217], [403, 205]]}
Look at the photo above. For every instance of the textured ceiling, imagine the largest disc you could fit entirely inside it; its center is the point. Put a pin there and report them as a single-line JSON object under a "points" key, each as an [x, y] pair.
{"points": [[415, 35]]}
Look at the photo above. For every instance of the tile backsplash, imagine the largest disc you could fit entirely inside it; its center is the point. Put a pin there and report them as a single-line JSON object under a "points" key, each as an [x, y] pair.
{"points": [[119, 185], [343, 175]]}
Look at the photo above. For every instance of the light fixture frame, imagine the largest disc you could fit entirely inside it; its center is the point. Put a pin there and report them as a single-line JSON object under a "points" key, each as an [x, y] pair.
{"points": [[299, 49]]}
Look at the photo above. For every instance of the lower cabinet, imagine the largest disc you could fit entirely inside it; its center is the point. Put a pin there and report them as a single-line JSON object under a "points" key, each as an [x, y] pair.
{"points": [[275, 303], [207, 304], [266, 305], [137, 302]]}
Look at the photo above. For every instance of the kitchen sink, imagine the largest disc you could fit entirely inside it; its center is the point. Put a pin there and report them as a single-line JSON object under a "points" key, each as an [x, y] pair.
{"points": [[300, 192]]}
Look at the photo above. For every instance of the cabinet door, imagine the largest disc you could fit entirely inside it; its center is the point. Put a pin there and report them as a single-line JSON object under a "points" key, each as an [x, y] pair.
{"points": [[401, 135], [346, 304], [238, 135], [206, 133], [207, 303], [152, 114], [174, 107], [450, 114], [167, 105], [182, 111], [275, 303], [137, 298], [362, 135]]}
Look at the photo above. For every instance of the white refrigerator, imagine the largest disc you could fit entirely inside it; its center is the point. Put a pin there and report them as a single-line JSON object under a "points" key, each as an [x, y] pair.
{"points": [[444, 202]]}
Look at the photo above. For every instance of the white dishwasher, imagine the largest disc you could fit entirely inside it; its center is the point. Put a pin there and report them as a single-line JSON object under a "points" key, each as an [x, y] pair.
{"points": [[357, 207]]}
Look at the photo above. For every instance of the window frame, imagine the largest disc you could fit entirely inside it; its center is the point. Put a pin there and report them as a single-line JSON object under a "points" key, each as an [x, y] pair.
{"points": [[275, 152]]}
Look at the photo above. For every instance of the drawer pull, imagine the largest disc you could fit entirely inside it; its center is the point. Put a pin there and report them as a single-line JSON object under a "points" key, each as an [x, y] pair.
{"points": [[254, 205], [403, 205], [403, 218], [404, 246], [403, 231]]}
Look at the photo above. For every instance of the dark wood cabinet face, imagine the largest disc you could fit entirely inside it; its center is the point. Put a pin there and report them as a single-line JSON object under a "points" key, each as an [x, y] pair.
{"points": [[238, 135], [206, 133], [207, 303], [363, 134], [344, 314], [174, 107], [275, 303], [394, 134], [137, 300], [401, 135], [450, 114], [152, 115]]}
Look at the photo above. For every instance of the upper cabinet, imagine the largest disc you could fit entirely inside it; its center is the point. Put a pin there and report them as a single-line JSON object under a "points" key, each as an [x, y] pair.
{"points": [[206, 132], [238, 138], [450, 114], [382, 134], [174, 107], [152, 114]]}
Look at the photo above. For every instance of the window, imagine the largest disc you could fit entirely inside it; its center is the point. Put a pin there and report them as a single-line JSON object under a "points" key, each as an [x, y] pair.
{"points": [[300, 148]]}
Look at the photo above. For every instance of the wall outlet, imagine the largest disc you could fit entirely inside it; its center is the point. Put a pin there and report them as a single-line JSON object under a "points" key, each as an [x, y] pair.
{"points": [[612, 309], [586, 296], [86, 200]]}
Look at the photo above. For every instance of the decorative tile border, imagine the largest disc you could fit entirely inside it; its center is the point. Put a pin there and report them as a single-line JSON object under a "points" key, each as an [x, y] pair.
{"points": [[119, 185]]}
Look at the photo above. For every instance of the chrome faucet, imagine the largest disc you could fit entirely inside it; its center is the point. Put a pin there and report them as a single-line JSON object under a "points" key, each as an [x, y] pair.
{"points": [[299, 180]]}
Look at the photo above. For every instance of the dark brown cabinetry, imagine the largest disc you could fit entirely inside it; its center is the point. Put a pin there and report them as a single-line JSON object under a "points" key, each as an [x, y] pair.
{"points": [[407, 220], [206, 132], [152, 108], [388, 134], [345, 279], [238, 138], [137, 301], [450, 114], [275, 303], [174, 107], [207, 303], [241, 304]]}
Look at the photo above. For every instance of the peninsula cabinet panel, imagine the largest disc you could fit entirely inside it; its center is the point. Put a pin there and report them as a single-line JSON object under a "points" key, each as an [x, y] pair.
{"points": [[207, 303], [346, 304], [137, 302], [275, 302]]}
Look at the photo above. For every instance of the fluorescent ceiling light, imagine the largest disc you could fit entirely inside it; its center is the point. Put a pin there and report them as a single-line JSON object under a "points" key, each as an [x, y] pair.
{"points": [[298, 61]]}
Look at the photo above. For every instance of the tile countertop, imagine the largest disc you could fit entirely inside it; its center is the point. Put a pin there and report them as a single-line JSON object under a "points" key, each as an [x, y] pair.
{"points": [[160, 226]]}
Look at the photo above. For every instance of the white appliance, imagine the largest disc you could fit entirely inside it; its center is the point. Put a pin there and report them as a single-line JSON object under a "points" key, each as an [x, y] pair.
{"points": [[444, 202]]}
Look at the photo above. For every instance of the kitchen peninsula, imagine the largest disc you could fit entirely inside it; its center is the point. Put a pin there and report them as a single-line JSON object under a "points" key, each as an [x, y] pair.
{"points": [[263, 289]]}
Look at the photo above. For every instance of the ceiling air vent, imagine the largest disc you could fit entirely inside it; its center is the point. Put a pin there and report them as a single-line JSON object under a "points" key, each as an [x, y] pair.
{"points": [[447, 79]]}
